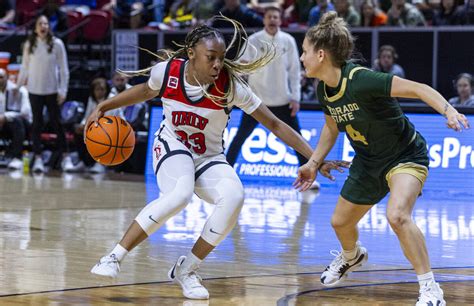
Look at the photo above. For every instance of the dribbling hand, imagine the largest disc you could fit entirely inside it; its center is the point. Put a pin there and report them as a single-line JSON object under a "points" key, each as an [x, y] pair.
{"points": [[93, 119]]}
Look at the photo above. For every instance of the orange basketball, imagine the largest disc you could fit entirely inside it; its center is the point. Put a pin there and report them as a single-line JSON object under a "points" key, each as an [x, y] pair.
{"points": [[111, 142]]}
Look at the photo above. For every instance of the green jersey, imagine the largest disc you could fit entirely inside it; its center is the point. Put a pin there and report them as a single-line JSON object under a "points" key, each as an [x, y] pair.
{"points": [[362, 107]]}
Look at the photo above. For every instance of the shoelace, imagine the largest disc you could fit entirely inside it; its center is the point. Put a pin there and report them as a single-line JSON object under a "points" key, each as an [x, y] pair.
{"points": [[429, 291], [195, 279], [112, 259], [338, 262]]}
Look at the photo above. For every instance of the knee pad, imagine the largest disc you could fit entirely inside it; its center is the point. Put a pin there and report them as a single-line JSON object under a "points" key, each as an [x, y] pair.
{"points": [[157, 212], [226, 213]]}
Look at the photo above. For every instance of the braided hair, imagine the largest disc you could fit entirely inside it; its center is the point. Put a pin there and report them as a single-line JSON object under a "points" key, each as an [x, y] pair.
{"points": [[234, 68]]}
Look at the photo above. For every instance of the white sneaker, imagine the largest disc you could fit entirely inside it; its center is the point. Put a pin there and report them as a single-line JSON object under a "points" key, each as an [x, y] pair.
{"points": [[97, 168], [67, 164], [15, 164], [189, 281], [38, 166], [339, 268], [108, 266], [431, 295]]}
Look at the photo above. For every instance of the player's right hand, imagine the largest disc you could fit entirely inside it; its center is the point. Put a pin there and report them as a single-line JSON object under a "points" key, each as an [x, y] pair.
{"points": [[306, 176], [92, 119]]}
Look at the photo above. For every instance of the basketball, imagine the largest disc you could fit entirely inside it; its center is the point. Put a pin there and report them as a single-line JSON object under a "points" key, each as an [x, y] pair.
{"points": [[111, 142]]}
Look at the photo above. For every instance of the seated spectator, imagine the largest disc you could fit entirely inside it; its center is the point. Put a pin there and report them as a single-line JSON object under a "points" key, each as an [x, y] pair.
{"points": [[57, 18], [134, 114], [297, 11], [233, 9], [464, 84], [371, 15], [404, 14], [181, 13], [99, 90], [7, 13], [203, 11], [128, 13], [385, 61], [15, 118], [426, 9], [317, 11], [346, 11], [466, 13], [260, 5]]}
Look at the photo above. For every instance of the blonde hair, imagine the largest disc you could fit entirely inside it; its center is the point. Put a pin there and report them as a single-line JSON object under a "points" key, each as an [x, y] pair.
{"points": [[234, 68], [333, 35]]}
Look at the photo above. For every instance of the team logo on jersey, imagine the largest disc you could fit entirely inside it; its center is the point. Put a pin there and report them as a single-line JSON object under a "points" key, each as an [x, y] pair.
{"points": [[173, 82], [157, 151]]}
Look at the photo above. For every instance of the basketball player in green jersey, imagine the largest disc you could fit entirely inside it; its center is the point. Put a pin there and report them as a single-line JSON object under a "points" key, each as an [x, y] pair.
{"points": [[390, 155]]}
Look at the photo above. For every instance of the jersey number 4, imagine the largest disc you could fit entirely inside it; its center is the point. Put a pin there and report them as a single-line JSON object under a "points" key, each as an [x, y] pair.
{"points": [[355, 135], [195, 142]]}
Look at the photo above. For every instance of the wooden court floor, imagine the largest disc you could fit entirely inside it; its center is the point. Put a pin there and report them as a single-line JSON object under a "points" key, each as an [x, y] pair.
{"points": [[54, 228]]}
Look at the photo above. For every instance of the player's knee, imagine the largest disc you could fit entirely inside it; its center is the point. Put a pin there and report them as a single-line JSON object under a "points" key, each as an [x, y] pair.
{"points": [[397, 219], [338, 222]]}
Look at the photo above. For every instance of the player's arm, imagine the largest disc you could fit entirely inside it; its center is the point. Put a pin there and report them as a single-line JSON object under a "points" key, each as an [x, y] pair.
{"points": [[133, 95], [402, 88], [307, 172], [281, 130]]}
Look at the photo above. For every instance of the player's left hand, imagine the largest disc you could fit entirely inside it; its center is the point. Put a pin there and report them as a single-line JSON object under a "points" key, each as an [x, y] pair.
{"points": [[295, 107], [329, 165], [306, 175], [456, 119]]}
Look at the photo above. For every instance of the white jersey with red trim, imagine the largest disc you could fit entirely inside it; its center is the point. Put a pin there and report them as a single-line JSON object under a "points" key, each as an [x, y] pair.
{"points": [[191, 117]]}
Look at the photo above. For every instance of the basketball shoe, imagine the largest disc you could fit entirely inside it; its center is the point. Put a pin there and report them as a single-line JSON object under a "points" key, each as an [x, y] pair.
{"points": [[190, 281], [108, 266], [339, 268], [431, 294]]}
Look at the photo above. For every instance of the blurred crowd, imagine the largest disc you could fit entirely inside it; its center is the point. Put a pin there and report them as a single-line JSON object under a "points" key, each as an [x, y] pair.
{"points": [[296, 13]]}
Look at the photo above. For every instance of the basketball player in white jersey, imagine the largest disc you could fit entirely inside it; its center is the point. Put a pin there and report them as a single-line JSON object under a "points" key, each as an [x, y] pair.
{"points": [[198, 87]]}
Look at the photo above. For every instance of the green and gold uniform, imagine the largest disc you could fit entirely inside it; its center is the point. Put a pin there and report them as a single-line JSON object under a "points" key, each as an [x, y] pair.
{"points": [[384, 140]]}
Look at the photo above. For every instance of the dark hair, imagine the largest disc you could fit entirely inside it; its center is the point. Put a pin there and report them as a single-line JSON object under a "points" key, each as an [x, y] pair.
{"points": [[271, 8], [96, 83], [464, 75], [32, 38], [388, 48], [232, 66], [332, 35]]}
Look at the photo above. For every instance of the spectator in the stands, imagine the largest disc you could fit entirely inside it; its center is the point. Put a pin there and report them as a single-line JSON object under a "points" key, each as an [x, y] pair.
{"points": [[7, 13], [181, 13], [298, 11], [322, 6], [346, 11], [235, 10], [404, 15], [260, 5], [57, 18], [466, 13], [385, 61], [99, 91], [464, 84], [371, 15], [15, 118]]}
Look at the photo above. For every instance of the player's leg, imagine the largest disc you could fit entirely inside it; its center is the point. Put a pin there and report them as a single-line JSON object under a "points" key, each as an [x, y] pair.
{"points": [[353, 255], [175, 178], [216, 183], [405, 183], [247, 125]]}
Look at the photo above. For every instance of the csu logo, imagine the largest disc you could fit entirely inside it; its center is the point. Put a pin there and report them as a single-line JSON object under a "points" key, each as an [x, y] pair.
{"points": [[173, 82]]}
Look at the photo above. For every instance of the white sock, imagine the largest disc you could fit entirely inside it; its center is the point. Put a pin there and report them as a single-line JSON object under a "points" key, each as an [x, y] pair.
{"points": [[425, 279], [191, 263], [119, 251], [351, 254]]}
